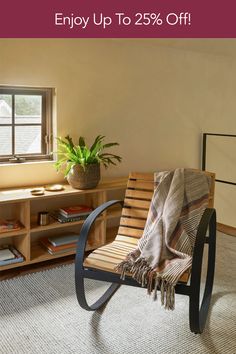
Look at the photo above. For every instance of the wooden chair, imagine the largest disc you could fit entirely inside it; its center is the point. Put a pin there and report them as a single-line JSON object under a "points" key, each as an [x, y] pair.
{"points": [[100, 263]]}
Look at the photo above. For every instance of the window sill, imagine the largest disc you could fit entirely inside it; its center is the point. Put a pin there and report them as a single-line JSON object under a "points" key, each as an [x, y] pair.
{"points": [[7, 164]]}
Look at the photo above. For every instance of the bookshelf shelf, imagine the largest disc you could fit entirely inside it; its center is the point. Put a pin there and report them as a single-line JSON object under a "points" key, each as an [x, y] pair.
{"points": [[14, 265], [21, 205], [56, 225], [13, 233]]}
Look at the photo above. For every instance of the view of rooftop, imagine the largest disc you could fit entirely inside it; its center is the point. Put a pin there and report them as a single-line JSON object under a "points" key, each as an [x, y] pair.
{"points": [[23, 122]]}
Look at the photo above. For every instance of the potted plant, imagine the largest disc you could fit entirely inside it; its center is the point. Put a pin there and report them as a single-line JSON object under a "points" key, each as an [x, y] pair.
{"points": [[81, 164]]}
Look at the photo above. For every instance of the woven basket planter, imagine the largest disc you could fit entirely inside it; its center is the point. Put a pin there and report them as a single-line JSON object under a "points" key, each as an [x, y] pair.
{"points": [[87, 178]]}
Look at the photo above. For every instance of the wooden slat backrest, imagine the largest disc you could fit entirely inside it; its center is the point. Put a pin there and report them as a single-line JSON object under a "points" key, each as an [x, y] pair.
{"points": [[138, 197]]}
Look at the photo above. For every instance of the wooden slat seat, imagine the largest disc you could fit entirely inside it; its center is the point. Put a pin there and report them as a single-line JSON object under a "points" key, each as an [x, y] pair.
{"points": [[109, 256], [137, 200]]}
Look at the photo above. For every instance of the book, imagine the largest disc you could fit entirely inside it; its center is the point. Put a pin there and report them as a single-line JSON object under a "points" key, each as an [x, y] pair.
{"points": [[10, 225], [74, 211], [57, 249], [17, 259], [12, 261], [85, 214], [61, 218], [6, 254], [63, 239], [61, 252]]}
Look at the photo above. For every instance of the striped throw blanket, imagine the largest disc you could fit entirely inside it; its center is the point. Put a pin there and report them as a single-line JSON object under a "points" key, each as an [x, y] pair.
{"points": [[165, 250]]}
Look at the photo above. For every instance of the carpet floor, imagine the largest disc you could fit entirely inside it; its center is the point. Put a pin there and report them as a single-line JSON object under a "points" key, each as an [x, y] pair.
{"points": [[39, 314]]}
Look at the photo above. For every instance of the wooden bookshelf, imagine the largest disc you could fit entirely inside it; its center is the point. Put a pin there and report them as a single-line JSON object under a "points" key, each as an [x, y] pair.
{"points": [[22, 205]]}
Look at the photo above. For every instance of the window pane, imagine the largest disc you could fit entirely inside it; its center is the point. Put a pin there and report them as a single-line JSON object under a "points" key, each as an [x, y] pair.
{"points": [[28, 139], [5, 109], [5, 140], [28, 109]]}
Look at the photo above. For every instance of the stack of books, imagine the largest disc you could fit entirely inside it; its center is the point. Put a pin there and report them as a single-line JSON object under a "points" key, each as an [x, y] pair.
{"points": [[60, 244], [71, 213], [10, 225], [10, 255]]}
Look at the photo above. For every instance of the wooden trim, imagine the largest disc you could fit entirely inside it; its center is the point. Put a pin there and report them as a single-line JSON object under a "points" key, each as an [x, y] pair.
{"points": [[228, 230]]}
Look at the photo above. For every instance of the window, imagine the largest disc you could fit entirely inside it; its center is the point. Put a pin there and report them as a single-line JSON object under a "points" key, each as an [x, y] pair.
{"points": [[25, 124]]}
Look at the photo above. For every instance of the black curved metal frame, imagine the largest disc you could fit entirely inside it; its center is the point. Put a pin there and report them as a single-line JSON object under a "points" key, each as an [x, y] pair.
{"points": [[197, 311]]}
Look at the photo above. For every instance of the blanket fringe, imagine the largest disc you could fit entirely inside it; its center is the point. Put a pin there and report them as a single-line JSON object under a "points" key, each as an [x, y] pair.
{"points": [[147, 277]]}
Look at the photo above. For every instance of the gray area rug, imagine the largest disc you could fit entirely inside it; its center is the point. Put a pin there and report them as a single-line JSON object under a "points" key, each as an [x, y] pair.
{"points": [[39, 314]]}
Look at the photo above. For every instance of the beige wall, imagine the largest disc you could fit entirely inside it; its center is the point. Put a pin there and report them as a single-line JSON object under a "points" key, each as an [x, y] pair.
{"points": [[152, 96]]}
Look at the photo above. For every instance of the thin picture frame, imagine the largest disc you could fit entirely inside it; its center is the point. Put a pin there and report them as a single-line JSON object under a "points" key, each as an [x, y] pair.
{"points": [[204, 154]]}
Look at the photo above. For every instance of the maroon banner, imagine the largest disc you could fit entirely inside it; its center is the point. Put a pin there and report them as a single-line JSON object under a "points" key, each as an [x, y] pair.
{"points": [[118, 18]]}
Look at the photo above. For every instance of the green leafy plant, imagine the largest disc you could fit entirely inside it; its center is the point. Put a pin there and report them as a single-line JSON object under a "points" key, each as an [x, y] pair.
{"points": [[70, 154]]}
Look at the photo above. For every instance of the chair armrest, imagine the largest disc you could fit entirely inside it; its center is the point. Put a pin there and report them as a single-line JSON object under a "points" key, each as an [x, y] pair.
{"points": [[81, 245], [207, 222]]}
